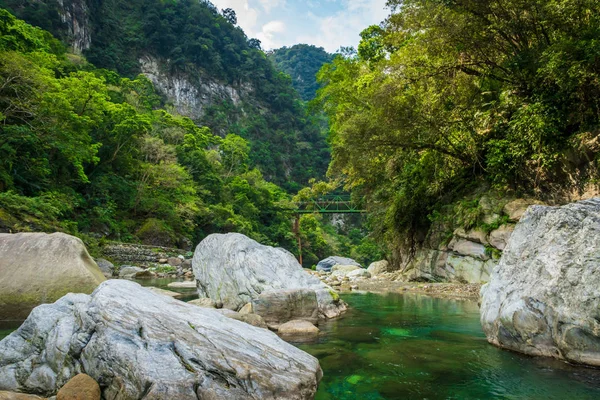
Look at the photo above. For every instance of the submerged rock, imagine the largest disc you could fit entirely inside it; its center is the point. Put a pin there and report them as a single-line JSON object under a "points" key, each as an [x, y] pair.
{"points": [[279, 306], [298, 328], [544, 296], [138, 344], [37, 268], [234, 270], [328, 263]]}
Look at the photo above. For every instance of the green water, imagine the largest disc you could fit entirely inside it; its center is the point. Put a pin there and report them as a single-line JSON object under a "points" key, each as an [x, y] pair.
{"points": [[417, 347]]}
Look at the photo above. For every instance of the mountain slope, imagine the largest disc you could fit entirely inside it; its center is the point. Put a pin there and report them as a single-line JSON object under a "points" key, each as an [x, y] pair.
{"points": [[302, 62], [205, 68]]}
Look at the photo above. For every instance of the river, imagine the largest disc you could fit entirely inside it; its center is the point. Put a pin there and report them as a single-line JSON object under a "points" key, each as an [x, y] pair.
{"points": [[407, 346]]}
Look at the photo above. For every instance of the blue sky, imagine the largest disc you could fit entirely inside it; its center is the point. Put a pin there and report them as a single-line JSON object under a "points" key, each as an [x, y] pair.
{"points": [[324, 23]]}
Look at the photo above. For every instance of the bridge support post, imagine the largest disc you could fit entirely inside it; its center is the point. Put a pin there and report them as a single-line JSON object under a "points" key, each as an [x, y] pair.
{"points": [[296, 229]]}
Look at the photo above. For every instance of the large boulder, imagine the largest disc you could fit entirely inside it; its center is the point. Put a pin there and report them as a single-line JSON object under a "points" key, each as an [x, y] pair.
{"points": [[233, 269], [328, 263], [379, 267], [37, 268], [544, 296], [138, 344]]}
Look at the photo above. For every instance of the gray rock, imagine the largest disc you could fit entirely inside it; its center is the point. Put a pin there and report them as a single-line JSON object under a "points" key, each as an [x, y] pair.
{"points": [[247, 309], [187, 264], [468, 248], [516, 208], [544, 296], [343, 270], [234, 270], [499, 238], [164, 292], [182, 285], [473, 235], [298, 327], [37, 268], [138, 344], [252, 319], [129, 271], [465, 269], [378, 267], [329, 262], [279, 306], [106, 267], [175, 261], [204, 302], [359, 274]]}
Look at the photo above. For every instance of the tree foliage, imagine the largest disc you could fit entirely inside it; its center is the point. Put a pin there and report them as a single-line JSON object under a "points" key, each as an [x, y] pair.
{"points": [[87, 151], [448, 94], [301, 62]]}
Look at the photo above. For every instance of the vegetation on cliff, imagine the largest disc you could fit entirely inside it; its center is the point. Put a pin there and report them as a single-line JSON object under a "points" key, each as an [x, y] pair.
{"points": [[85, 150], [302, 62], [446, 96], [192, 38]]}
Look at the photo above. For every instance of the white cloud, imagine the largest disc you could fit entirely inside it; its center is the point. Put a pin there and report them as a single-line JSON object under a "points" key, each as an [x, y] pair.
{"points": [[271, 33], [268, 5], [246, 15]]}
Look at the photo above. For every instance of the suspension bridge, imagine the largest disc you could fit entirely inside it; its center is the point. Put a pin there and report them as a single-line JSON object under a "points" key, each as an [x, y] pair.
{"points": [[329, 204]]}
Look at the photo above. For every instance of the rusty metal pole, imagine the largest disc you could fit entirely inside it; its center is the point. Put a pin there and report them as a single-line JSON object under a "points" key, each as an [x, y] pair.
{"points": [[297, 232]]}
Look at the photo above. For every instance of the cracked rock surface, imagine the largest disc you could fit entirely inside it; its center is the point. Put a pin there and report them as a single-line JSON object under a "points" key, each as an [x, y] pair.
{"points": [[140, 345], [544, 297]]}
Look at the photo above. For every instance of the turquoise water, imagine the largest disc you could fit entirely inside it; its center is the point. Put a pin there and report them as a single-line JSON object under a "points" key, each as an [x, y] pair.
{"points": [[417, 347]]}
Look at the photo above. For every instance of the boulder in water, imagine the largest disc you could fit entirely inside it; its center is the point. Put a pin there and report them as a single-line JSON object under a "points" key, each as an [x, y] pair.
{"points": [[328, 263], [544, 296], [37, 268], [138, 344], [234, 270]]}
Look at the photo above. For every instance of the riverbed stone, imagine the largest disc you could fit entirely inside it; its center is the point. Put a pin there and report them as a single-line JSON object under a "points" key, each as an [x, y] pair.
{"points": [[203, 302], [298, 327], [80, 387], [182, 285], [360, 273], [544, 296], [4, 395], [235, 270], [106, 267], [37, 268], [328, 263], [247, 309], [342, 270], [164, 292], [129, 271], [142, 345], [174, 261], [280, 306], [378, 267]]}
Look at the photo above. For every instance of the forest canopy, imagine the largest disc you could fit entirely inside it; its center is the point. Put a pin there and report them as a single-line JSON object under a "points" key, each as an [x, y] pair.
{"points": [[447, 96]]}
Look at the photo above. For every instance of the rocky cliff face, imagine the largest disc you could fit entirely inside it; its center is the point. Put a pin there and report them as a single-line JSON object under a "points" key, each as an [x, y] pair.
{"points": [[471, 255], [544, 297], [75, 15], [190, 97]]}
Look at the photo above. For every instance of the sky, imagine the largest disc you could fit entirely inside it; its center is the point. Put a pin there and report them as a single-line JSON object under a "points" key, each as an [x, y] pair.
{"points": [[325, 23]]}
